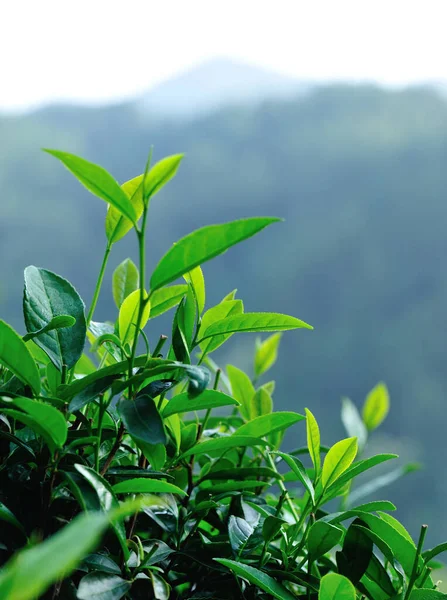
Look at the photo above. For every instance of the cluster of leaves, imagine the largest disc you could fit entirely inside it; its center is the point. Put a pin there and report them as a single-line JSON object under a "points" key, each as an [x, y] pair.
{"points": [[117, 479]]}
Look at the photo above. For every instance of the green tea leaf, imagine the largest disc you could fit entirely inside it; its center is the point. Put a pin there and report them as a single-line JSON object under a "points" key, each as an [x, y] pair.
{"points": [[98, 181], [260, 579], [242, 389], [245, 473], [55, 323], [267, 424], [382, 481], [214, 314], [31, 571], [9, 517], [337, 460], [142, 485], [356, 553], [102, 586], [196, 279], [313, 440], [430, 554], [376, 407], [117, 226], [46, 296], [203, 245], [353, 423], [260, 404], [336, 587], [128, 316], [16, 357], [207, 399], [125, 281], [90, 392], [250, 322], [298, 468], [224, 443], [159, 175], [239, 532], [360, 467], [322, 538], [166, 298], [427, 594], [142, 420], [266, 354]]}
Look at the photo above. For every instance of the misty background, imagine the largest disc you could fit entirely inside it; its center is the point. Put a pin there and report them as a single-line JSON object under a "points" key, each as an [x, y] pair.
{"points": [[358, 171]]}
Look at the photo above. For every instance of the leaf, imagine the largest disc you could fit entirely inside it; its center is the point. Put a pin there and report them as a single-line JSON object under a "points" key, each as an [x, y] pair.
{"points": [[360, 467], [261, 403], [427, 594], [102, 586], [31, 571], [107, 501], [239, 532], [9, 517], [159, 175], [55, 323], [90, 392], [161, 589], [267, 424], [245, 473], [141, 485], [16, 357], [298, 468], [198, 379], [128, 316], [142, 420], [337, 460], [266, 354], [353, 423], [322, 538], [382, 481], [356, 553], [217, 313], [250, 322], [117, 226], [336, 587], [223, 443], [376, 407], [101, 562], [125, 281], [313, 440], [46, 296], [208, 399], [271, 527], [44, 419], [98, 181], [242, 389], [430, 554], [166, 298], [196, 279], [203, 245], [180, 347], [258, 578]]}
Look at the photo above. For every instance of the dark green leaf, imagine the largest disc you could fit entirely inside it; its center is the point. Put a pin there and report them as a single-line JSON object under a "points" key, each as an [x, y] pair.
{"points": [[250, 322], [102, 586], [46, 296], [91, 392], [322, 538], [9, 517], [356, 553], [207, 399], [142, 485], [246, 473], [239, 532], [16, 357], [203, 245], [98, 181], [142, 420], [430, 554], [427, 594], [101, 562], [125, 281], [271, 527]]}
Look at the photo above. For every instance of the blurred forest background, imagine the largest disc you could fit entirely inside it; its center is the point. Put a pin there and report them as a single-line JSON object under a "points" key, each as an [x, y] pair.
{"points": [[359, 174]]}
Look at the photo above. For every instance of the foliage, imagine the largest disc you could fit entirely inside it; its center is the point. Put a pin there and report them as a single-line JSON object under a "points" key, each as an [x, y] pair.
{"points": [[117, 479]]}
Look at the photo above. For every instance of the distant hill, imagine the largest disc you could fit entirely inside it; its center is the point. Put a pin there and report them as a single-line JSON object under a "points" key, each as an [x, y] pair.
{"points": [[217, 83]]}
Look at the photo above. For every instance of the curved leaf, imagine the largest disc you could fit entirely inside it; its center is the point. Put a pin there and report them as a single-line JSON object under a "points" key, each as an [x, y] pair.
{"points": [[117, 225], [313, 440], [166, 298], [128, 316], [125, 280], [377, 405], [203, 245], [337, 460], [55, 323], [102, 586], [250, 322], [266, 354], [224, 443], [142, 420], [141, 485], [322, 537], [298, 468], [207, 399], [266, 424], [336, 587], [217, 313], [46, 296], [16, 357]]}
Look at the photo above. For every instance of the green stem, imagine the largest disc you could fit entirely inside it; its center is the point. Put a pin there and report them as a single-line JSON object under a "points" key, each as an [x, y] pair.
{"points": [[271, 463], [99, 283], [415, 572], [161, 342], [102, 409]]}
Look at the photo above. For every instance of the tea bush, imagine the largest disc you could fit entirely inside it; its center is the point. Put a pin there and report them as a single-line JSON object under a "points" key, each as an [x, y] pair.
{"points": [[138, 469]]}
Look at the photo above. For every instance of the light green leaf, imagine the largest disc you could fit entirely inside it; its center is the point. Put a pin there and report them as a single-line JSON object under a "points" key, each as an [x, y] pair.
{"points": [[166, 298], [360, 467], [117, 226], [313, 440], [251, 322], [128, 316], [125, 281], [207, 399], [260, 404], [15, 356], [266, 354], [242, 389], [203, 245], [196, 279], [224, 443], [336, 587], [258, 578], [102, 586], [376, 407], [159, 175], [141, 485], [322, 538], [31, 571], [55, 323], [46, 296], [266, 424], [337, 460], [214, 314], [98, 181]]}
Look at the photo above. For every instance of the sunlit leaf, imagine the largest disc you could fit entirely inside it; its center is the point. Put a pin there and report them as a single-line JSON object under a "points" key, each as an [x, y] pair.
{"points": [[376, 407], [125, 281], [337, 460]]}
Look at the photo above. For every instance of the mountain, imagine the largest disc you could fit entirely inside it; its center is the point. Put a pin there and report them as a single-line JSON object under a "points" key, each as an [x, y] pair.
{"points": [[217, 83]]}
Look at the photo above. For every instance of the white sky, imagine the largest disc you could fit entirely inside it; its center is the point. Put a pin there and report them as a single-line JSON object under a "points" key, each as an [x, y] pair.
{"points": [[97, 50]]}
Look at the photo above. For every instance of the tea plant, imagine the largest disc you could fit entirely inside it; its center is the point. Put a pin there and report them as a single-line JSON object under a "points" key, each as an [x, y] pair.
{"points": [[130, 468]]}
